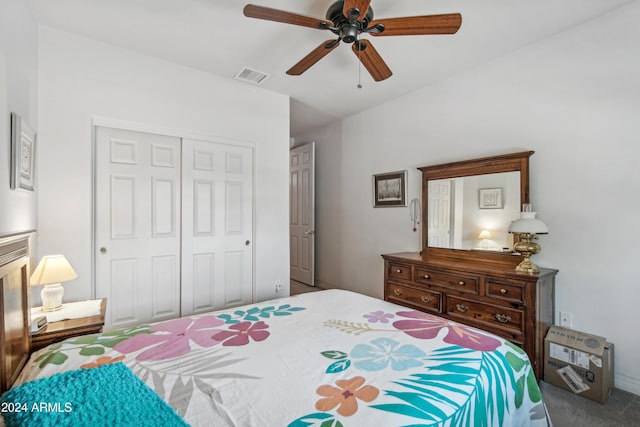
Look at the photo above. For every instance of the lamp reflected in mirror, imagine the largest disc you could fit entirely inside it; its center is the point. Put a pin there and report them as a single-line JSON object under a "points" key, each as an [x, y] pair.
{"points": [[485, 235]]}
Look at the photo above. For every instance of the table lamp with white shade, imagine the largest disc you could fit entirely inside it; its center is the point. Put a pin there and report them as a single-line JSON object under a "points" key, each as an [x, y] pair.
{"points": [[51, 271], [485, 235], [527, 227]]}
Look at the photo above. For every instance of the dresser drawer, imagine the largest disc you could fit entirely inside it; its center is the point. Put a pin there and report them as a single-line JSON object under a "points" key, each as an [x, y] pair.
{"points": [[399, 271], [427, 300], [451, 280], [497, 317], [510, 291]]}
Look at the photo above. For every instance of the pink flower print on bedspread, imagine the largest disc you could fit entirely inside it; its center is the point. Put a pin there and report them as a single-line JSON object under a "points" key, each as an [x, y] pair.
{"points": [[427, 326], [176, 341], [378, 316], [242, 332]]}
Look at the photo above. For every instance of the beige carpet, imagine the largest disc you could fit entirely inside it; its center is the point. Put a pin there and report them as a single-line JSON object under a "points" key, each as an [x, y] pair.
{"points": [[568, 409], [301, 288]]}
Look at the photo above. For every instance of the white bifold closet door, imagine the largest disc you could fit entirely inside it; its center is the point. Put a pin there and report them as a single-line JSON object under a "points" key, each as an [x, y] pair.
{"points": [[173, 226], [217, 224]]}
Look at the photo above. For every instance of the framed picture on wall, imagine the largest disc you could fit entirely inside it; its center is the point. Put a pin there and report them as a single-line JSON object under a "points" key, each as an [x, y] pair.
{"points": [[490, 198], [390, 189], [23, 154]]}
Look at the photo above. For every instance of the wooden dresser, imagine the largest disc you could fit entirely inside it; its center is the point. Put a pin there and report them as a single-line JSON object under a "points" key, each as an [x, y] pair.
{"points": [[485, 295]]}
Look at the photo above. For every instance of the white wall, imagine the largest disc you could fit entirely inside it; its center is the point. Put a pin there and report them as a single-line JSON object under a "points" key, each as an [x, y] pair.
{"points": [[80, 78], [18, 94], [575, 100]]}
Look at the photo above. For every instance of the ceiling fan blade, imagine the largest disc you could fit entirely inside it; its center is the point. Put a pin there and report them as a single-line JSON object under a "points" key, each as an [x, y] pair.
{"points": [[314, 56], [361, 5], [371, 60], [269, 14], [420, 25]]}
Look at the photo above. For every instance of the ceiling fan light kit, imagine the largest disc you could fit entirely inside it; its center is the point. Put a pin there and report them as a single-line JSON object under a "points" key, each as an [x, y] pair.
{"points": [[349, 19]]}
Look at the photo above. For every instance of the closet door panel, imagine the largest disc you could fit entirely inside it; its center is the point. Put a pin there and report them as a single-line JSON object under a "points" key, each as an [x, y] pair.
{"points": [[203, 208], [122, 301], [122, 206], [203, 289], [234, 269], [137, 233], [217, 228], [166, 286]]}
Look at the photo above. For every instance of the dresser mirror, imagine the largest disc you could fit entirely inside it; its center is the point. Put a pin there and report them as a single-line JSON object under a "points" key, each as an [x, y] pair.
{"points": [[468, 205]]}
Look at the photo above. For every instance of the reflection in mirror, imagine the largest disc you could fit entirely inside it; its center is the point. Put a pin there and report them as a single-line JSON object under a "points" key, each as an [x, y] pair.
{"points": [[473, 212]]}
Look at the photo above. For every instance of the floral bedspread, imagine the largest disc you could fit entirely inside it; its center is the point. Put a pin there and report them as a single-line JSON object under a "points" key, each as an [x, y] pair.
{"points": [[329, 358]]}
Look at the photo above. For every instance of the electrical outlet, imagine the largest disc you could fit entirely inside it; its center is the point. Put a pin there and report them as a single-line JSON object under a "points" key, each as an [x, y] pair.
{"points": [[566, 319], [278, 285]]}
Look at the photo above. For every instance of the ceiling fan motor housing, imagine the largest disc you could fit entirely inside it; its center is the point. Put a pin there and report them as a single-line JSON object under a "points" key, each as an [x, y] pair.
{"points": [[349, 33], [347, 29]]}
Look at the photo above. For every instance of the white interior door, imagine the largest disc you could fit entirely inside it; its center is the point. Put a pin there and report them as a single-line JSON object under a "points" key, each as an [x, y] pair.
{"points": [[137, 225], [439, 213], [301, 215], [217, 232]]}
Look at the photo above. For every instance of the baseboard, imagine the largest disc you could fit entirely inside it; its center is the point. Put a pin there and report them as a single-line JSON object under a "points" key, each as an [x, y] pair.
{"points": [[626, 383], [325, 285]]}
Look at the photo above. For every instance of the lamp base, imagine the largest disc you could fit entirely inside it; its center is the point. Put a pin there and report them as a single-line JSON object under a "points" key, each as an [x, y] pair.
{"points": [[526, 266], [527, 247], [52, 297]]}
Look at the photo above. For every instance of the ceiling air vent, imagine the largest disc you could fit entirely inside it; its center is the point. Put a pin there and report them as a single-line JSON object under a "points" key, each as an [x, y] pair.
{"points": [[249, 75]]}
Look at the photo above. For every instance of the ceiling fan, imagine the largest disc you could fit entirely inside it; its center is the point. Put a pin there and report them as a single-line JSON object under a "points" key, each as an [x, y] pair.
{"points": [[348, 19]]}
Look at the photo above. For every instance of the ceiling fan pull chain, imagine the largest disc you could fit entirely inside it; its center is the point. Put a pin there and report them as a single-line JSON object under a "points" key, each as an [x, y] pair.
{"points": [[359, 66]]}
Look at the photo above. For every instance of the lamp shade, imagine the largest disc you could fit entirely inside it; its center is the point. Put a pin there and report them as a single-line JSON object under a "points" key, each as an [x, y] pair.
{"points": [[528, 223], [484, 234], [53, 269]]}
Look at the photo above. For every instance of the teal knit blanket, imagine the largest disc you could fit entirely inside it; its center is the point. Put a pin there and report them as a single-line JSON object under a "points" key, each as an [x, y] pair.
{"points": [[109, 395]]}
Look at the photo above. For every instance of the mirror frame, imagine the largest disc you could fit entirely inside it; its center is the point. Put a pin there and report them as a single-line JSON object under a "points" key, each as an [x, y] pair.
{"points": [[514, 162]]}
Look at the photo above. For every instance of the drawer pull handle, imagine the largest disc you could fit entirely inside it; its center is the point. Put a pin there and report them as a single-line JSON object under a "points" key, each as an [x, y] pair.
{"points": [[503, 291], [397, 292], [461, 283], [398, 271], [503, 318], [426, 300], [462, 308], [426, 276]]}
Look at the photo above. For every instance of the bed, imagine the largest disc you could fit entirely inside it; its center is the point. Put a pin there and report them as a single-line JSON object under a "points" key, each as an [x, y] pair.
{"points": [[327, 358]]}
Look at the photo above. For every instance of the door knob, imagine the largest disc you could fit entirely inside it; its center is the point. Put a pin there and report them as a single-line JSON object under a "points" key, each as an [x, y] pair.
{"points": [[247, 242], [103, 250], [309, 232]]}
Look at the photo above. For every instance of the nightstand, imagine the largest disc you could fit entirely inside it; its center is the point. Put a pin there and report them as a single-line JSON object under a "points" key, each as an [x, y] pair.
{"points": [[58, 331]]}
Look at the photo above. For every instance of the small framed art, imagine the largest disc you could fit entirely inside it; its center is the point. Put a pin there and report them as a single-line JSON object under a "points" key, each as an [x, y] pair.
{"points": [[23, 154], [490, 198], [390, 189]]}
